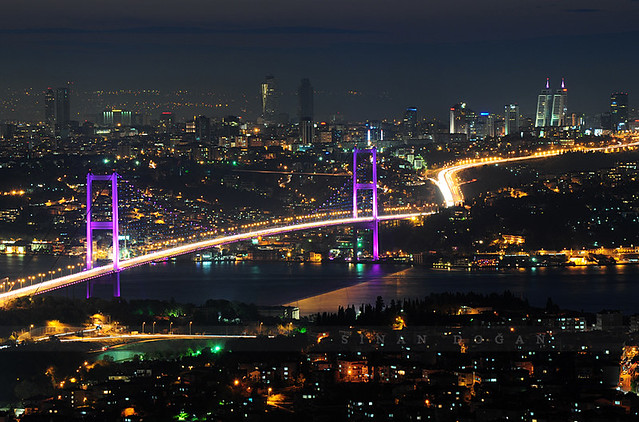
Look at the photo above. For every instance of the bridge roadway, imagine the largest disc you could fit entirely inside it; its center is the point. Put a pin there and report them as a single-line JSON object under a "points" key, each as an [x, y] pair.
{"points": [[60, 282], [450, 188]]}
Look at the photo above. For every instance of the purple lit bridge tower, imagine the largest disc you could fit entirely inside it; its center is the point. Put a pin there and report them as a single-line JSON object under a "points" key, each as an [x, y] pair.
{"points": [[103, 225], [366, 186]]}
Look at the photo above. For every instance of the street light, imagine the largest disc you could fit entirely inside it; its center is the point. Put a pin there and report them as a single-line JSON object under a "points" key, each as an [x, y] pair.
{"points": [[190, 325], [171, 327], [153, 328], [143, 324]]}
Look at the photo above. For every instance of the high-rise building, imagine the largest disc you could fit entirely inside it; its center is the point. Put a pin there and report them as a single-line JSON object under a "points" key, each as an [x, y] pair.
{"points": [[480, 125], [230, 129], [490, 124], [560, 106], [511, 119], [269, 99], [305, 100], [544, 106], [619, 110], [458, 119], [166, 123], [306, 132], [49, 107], [202, 129], [374, 132], [62, 107], [476, 125], [409, 123], [305, 111]]}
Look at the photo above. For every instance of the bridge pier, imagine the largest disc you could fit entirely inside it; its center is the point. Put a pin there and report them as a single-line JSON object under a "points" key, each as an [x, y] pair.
{"points": [[115, 282], [103, 225]]}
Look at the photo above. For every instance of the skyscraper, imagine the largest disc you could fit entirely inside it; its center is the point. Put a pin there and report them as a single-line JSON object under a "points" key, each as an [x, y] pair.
{"points": [[374, 132], [62, 107], [269, 99], [305, 100], [202, 129], [479, 125], [619, 110], [410, 122], [49, 107], [544, 106], [560, 106], [458, 119], [305, 111], [511, 119]]}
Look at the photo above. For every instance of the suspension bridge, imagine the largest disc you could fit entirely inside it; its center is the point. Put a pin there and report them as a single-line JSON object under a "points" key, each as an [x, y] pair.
{"points": [[447, 182], [361, 215]]}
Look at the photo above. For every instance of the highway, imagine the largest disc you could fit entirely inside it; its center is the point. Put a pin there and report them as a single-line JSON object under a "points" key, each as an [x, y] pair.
{"points": [[147, 337], [449, 185], [60, 282]]}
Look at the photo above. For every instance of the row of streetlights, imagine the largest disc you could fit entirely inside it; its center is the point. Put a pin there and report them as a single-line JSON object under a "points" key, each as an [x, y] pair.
{"points": [[170, 327], [6, 284]]}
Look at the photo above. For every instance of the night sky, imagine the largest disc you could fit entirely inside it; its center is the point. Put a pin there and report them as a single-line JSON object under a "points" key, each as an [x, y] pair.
{"points": [[430, 54]]}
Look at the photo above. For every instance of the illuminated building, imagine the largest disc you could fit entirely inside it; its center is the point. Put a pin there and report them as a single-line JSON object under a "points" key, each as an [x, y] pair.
{"points": [[116, 118], [480, 125], [458, 119], [410, 121], [305, 111], [269, 99], [202, 129], [511, 119], [490, 124], [190, 126], [306, 132], [559, 106], [544, 106], [374, 132], [165, 124], [229, 131], [230, 126], [619, 110]]}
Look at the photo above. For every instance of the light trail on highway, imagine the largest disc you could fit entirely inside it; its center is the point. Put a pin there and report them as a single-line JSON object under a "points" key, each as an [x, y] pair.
{"points": [[450, 188], [60, 282]]}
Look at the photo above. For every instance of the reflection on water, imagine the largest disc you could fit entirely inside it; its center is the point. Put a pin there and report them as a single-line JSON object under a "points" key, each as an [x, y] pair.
{"points": [[323, 287], [581, 288]]}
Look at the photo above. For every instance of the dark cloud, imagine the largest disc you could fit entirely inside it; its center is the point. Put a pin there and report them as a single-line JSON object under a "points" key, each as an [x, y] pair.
{"points": [[194, 30], [583, 10], [404, 52]]}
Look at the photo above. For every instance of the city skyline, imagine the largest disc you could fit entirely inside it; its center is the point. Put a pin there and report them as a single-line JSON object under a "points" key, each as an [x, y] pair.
{"points": [[398, 56], [286, 102]]}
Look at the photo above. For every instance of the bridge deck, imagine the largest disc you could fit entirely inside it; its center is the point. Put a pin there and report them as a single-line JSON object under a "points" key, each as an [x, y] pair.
{"points": [[84, 276]]}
